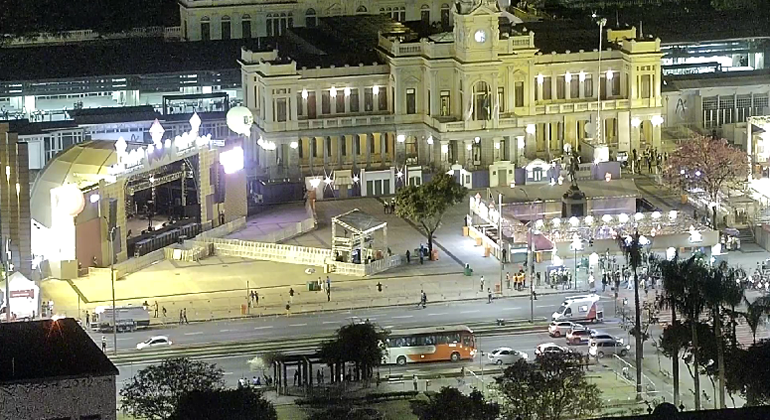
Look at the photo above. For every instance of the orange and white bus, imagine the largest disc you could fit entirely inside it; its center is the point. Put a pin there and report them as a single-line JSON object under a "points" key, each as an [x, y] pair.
{"points": [[433, 344]]}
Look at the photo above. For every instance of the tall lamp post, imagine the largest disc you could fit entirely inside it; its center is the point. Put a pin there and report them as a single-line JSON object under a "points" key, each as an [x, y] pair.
{"points": [[7, 250], [601, 22], [500, 238], [576, 245], [111, 236]]}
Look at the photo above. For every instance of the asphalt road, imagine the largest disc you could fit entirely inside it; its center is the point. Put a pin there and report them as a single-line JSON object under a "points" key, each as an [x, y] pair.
{"points": [[236, 367], [298, 326]]}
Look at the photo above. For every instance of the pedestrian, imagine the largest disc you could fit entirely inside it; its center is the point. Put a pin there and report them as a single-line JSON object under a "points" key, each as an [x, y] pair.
{"points": [[164, 313], [184, 313], [156, 308], [422, 257], [481, 288], [534, 295], [328, 294], [328, 284], [408, 257], [181, 317], [414, 381], [322, 376], [88, 319], [489, 295], [291, 295], [296, 377], [256, 298], [288, 308], [104, 344], [318, 377]]}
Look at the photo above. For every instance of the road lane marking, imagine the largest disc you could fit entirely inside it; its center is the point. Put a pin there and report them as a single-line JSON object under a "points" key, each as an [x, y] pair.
{"points": [[470, 312], [511, 309], [266, 327], [223, 331], [331, 322], [440, 314], [402, 316], [387, 327], [544, 306], [227, 373], [298, 325], [194, 333]]}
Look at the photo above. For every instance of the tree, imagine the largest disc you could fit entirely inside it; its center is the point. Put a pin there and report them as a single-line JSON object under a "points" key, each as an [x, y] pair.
{"points": [[451, 403], [720, 288], [357, 343], [632, 250], [750, 373], [709, 164], [155, 391], [232, 404], [553, 387], [425, 205], [754, 312]]}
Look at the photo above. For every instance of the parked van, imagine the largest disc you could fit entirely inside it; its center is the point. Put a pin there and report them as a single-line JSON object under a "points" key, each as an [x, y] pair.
{"points": [[580, 308]]}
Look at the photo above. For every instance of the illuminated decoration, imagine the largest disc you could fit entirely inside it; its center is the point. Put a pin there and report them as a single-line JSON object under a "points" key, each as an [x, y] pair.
{"points": [[560, 180], [589, 220], [622, 218], [232, 160], [608, 177], [375, 89], [444, 148], [670, 253], [655, 215], [152, 179], [657, 120], [638, 216], [430, 140], [315, 182], [593, 259], [636, 122], [18, 188], [347, 91], [574, 221], [695, 236], [68, 199], [195, 123], [643, 241], [356, 178], [294, 145], [477, 140], [469, 147], [576, 244], [156, 132], [539, 223], [557, 261], [304, 94], [567, 77], [607, 218], [399, 174], [167, 144], [610, 75], [333, 92], [530, 129], [672, 215], [556, 222], [540, 79], [400, 138], [93, 198], [327, 180], [582, 76], [497, 146], [239, 120]]}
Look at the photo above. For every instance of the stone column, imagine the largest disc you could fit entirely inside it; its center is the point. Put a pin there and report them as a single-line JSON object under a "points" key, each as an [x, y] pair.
{"points": [[656, 134], [468, 150], [443, 153], [519, 149], [624, 131], [383, 139]]}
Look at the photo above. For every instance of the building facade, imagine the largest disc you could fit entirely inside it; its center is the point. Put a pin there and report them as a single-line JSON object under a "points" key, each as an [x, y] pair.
{"points": [[463, 100]]}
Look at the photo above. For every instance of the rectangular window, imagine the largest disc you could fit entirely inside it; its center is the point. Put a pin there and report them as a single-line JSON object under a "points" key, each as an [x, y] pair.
{"points": [[476, 153], [328, 146], [410, 102], [425, 15], [300, 102], [588, 87], [326, 102], [246, 29], [561, 87], [371, 143], [387, 143], [519, 92], [445, 18], [340, 105], [547, 89], [353, 99], [537, 90], [311, 105], [226, 31], [616, 85], [382, 99], [445, 109], [280, 110], [574, 88], [410, 148], [501, 99], [646, 86], [313, 147], [344, 145], [368, 100], [357, 142], [301, 148], [205, 31]]}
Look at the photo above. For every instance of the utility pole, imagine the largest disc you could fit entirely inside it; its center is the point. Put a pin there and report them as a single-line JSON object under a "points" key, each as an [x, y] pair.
{"points": [[112, 281], [7, 244], [500, 236], [531, 272]]}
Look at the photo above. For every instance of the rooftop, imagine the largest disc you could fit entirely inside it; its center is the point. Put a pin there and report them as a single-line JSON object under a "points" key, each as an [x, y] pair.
{"points": [[358, 222], [720, 79], [546, 192], [48, 350], [563, 35], [137, 56]]}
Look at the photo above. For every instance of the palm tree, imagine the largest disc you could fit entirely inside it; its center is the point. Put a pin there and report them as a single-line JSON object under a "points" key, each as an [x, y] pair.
{"points": [[754, 312], [673, 273], [691, 306], [632, 250], [721, 287]]}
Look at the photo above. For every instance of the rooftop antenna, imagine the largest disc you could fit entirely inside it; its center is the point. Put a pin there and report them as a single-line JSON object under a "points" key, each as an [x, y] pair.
{"points": [[641, 32]]}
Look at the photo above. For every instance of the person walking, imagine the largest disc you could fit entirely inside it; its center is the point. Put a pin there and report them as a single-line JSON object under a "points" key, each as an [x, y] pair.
{"points": [[288, 308], [328, 284], [156, 308], [104, 344], [318, 378], [489, 295], [291, 295], [88, 320], [481, 287], [328, 294], [408, 257], [256, 298], [181, 317], [184, 314], [164, 312]]}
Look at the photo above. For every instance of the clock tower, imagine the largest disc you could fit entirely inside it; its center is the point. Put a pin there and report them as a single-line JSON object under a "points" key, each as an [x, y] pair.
{"points": [[476, 30]]}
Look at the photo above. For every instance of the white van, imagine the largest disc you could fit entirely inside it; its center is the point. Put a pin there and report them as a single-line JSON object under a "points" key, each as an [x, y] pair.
{"points": [[580, 308]]}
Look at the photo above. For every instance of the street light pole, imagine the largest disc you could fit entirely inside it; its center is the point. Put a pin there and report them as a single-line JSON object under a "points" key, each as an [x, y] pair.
{"points": [[7, 247], [601, 24], [500, 238], [112, 281]]}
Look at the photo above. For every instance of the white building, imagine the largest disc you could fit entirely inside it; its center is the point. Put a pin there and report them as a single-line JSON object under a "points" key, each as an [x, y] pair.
{"points": [[54, 370], [367, 92]]}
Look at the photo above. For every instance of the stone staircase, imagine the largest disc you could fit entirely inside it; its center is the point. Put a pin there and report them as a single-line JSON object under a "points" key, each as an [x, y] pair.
{"points": [[748, 243]]}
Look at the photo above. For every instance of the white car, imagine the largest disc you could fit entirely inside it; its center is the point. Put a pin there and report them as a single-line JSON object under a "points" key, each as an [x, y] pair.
{"points": [[506, 356], [157, 341], [561, 328], [548, 348]]}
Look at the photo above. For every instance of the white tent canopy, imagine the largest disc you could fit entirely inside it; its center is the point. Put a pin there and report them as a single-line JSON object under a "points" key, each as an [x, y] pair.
{"points": [[25, 297]]}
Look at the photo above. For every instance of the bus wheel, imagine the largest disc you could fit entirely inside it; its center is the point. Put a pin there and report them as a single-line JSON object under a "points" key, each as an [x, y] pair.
{"points": [[455, 357], [401, 361]]}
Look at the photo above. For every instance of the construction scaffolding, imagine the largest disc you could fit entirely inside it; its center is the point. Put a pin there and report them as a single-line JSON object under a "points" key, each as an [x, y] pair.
{"points": [[356, 244]]}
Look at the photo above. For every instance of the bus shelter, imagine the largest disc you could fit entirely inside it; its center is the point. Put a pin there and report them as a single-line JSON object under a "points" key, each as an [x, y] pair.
{"points": [[353, 237]]}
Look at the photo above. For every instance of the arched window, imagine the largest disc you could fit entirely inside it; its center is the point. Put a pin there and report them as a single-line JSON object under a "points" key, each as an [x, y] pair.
{"points": [[425, 13], [226, 27], [482, 101], [445, 16], [310, 18], [361, 9], [246, 26], [277, 24], [205, 28]]}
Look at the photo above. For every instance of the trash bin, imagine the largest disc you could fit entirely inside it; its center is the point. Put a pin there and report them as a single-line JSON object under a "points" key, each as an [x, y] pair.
{"points": [[311, 286], [468, 270]]}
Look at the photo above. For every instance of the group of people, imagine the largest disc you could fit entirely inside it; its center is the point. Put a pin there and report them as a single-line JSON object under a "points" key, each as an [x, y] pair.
{"points": [[389, 207], [650, 157], [255, 381]]}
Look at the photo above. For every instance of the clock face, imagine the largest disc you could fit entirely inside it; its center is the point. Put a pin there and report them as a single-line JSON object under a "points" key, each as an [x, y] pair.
{"points": [[480, 36]]}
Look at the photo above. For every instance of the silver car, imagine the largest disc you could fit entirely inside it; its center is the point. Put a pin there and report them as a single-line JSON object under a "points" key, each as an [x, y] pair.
{"points": [[506, 356], [605, 348]]}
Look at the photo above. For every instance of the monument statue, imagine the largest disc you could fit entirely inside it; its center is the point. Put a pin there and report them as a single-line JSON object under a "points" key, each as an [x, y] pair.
{"points": [[466, 6], [574, 167]]}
